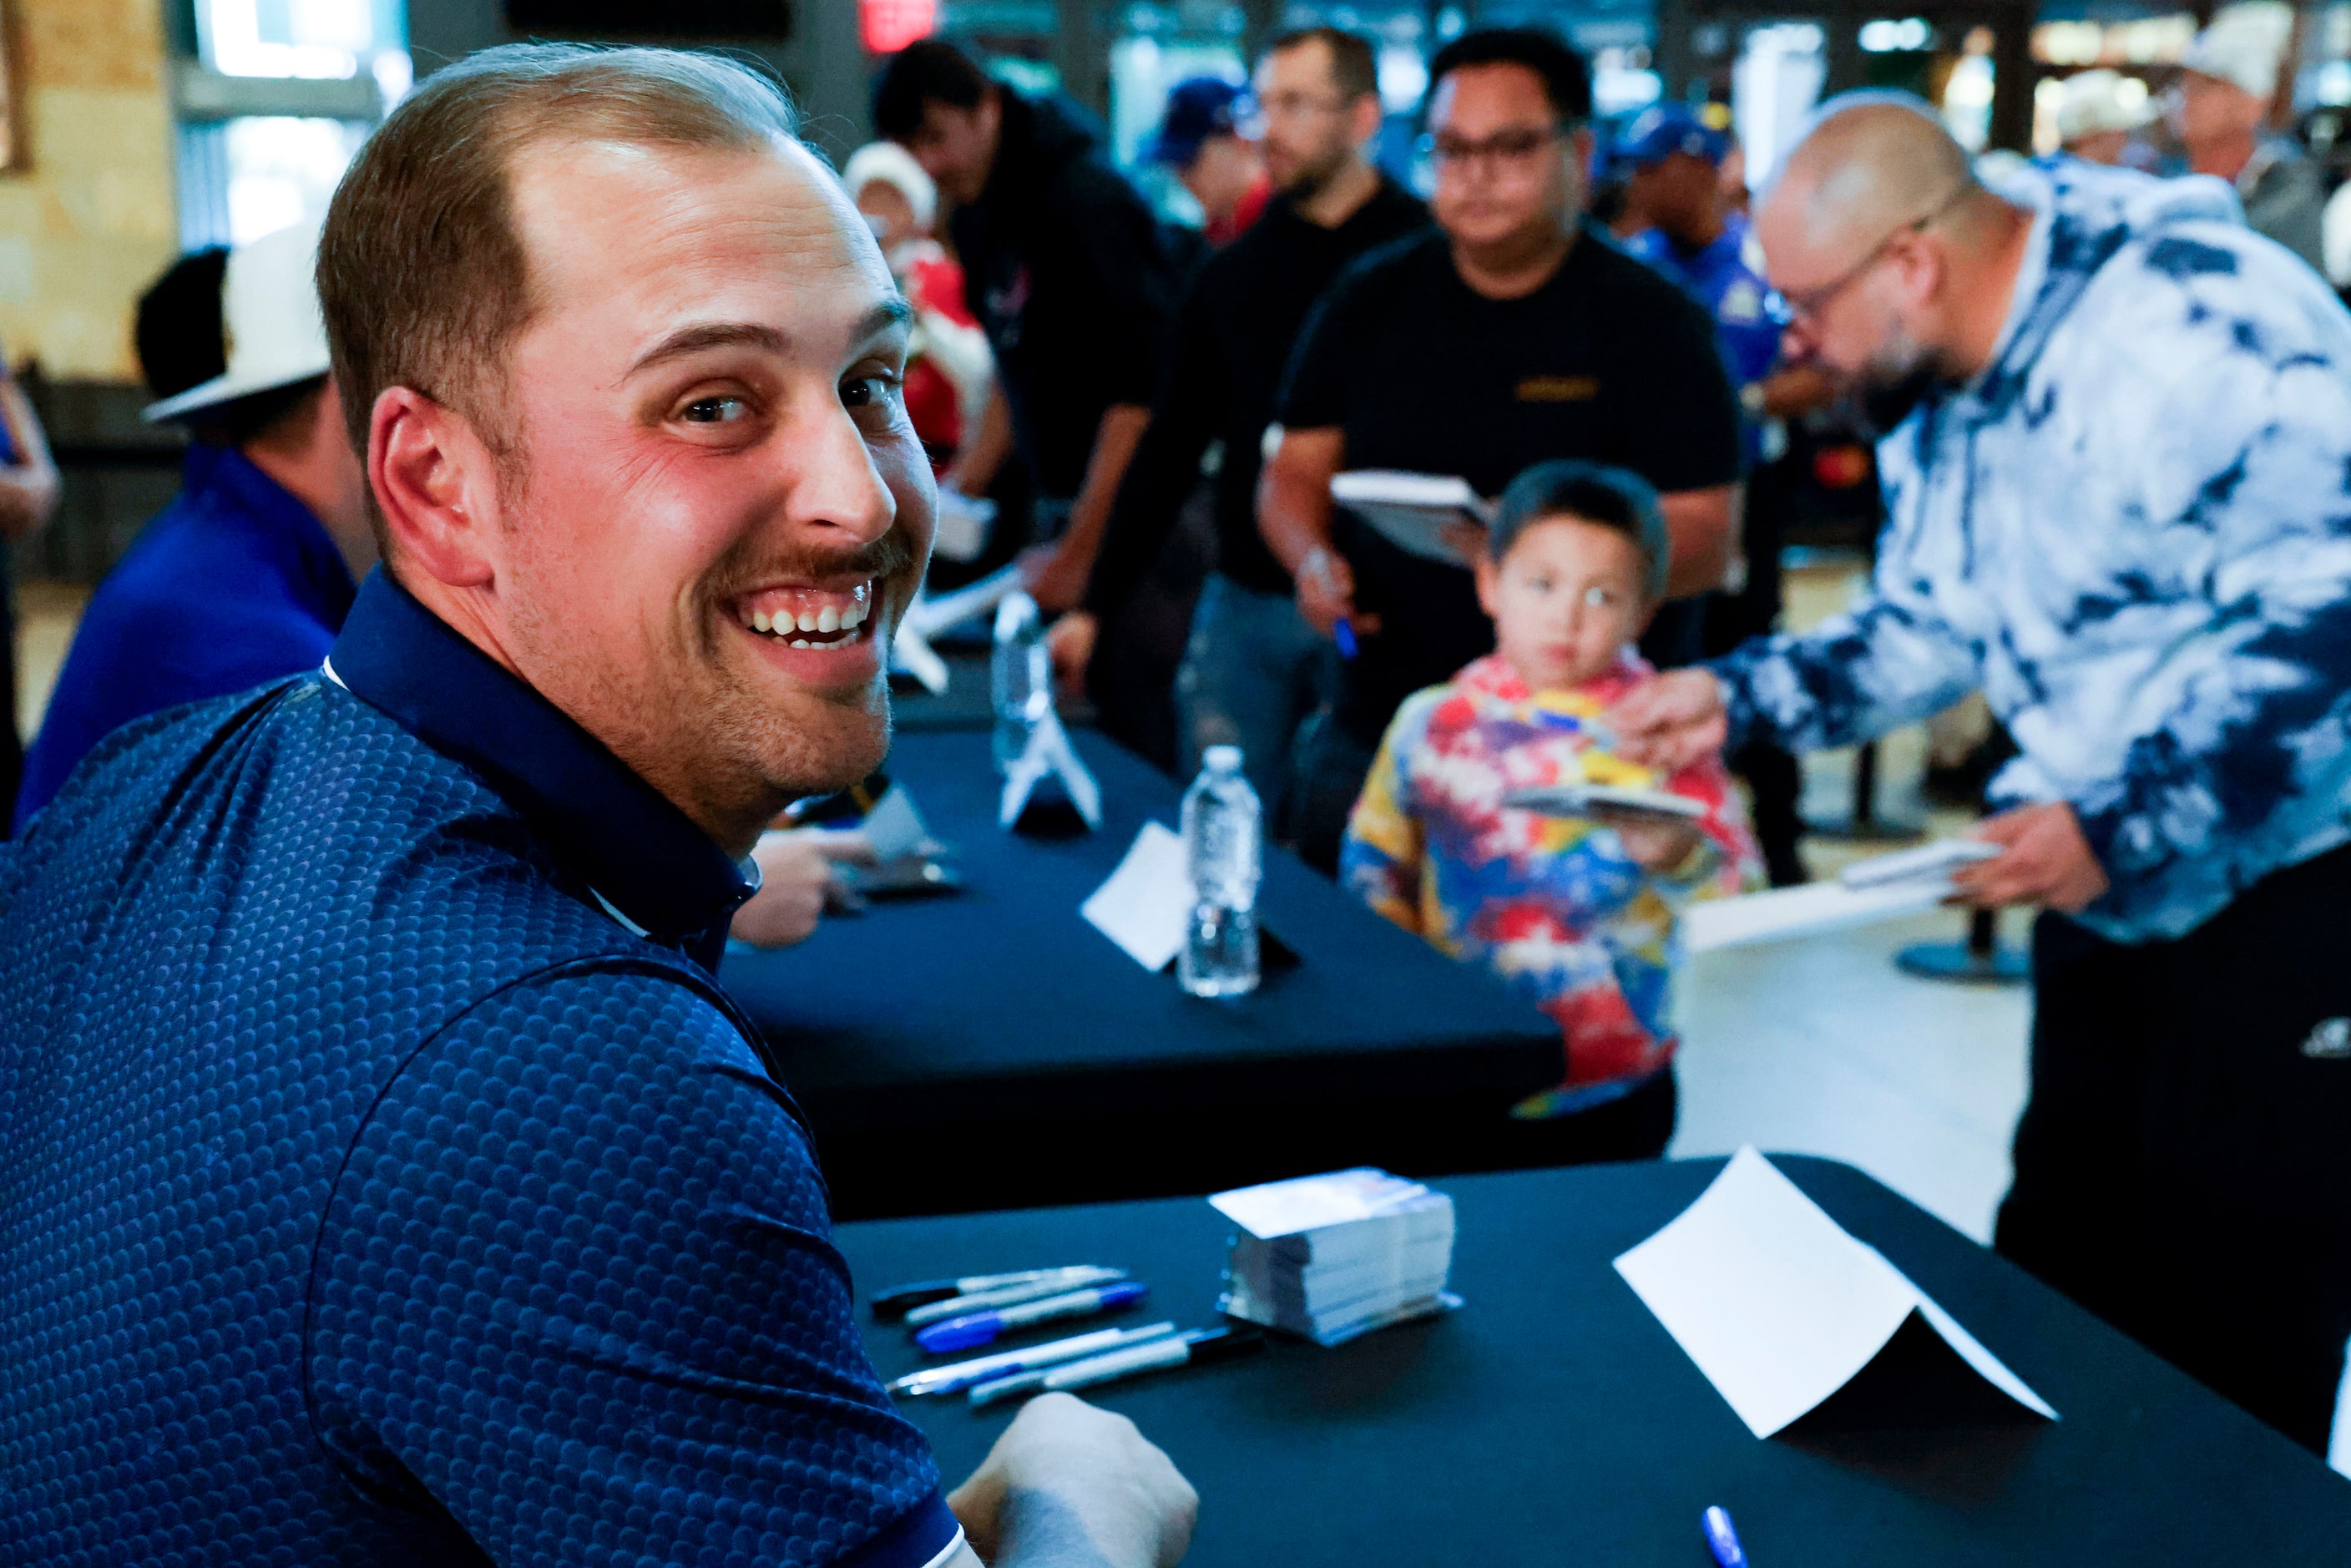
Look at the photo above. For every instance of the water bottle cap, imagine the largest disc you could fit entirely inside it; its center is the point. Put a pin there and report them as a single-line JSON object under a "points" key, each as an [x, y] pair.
{"points": [[1222, 758]]}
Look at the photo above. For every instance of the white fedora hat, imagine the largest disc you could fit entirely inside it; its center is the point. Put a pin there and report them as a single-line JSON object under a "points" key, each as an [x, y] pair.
{"points": [[271, 332], [2098, 101]]}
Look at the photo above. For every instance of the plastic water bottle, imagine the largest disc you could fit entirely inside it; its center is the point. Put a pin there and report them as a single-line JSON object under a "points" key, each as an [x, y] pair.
{"points": [[1221, 847], [1020, 679]]}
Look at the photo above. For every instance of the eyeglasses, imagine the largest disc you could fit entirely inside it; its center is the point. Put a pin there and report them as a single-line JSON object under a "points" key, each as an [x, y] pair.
{"points": [[1787, 310], [1296, 106], [1514, 148]]}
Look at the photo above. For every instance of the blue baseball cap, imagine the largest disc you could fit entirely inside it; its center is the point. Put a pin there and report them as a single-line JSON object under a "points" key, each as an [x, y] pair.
{"points": [[1662, 130], [1197, 108]]}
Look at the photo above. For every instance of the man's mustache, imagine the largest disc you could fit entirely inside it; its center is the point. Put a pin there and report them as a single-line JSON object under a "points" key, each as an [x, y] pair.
{"points": [[890, 556]]}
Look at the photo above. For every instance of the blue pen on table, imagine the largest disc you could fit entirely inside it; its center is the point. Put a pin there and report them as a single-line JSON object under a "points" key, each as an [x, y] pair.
{"points": [[1060, 1284], [1723, 1541], [956, 1376], [1192, 1346], [1343, 631], [895, 1302], [984, 1328]]}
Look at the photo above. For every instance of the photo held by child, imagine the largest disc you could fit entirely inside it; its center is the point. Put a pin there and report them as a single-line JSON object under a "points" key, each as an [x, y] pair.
{"points": [[1576, 911]]}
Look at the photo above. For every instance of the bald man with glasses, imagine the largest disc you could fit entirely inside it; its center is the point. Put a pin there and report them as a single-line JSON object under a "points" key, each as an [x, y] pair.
{"points": [[2118, 489]]}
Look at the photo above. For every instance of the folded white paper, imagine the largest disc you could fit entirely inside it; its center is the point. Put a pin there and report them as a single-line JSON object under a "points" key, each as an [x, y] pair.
{"points": [[1886, 887], [1777, 1304], [894, 827], [1049, 755], [1147, 902]]}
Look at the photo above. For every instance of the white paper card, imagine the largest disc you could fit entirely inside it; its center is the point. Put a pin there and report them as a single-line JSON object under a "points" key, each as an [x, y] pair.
{"points": [[1147, 901], [1786, 913], [894, 827], [1776, 1304], [1307, 1202]]}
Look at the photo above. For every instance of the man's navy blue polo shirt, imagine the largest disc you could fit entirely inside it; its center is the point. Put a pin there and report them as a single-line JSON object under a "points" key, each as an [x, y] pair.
{"points": [[233, 584], [386, 1179]]}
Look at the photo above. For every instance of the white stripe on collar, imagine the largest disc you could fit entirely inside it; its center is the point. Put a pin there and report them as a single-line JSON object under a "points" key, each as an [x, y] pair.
{"points": [[326, 668], [627, 924]]}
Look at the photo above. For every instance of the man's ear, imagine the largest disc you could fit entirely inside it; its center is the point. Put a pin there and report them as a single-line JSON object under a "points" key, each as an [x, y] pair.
{"points": [[1369, 115], [436, 485]]}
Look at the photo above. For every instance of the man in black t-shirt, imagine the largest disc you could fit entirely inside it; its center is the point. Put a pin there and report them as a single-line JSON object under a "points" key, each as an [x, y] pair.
{"points": [[1065, 266], [1510, 334], [1253, 668]]}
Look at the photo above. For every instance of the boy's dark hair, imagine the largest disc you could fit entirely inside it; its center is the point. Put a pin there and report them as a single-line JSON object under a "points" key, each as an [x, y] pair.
{"points": [[1354, 70], [930, 71], [1567, 81], [1592, 493]]}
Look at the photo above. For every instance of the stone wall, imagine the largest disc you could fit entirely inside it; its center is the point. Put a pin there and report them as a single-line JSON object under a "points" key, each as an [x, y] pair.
{"points": [[88, 222]]}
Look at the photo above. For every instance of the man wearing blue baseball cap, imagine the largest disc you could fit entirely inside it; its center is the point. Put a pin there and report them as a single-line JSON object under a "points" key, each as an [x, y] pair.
{"points": [[1199, 137], [1672, 156]]}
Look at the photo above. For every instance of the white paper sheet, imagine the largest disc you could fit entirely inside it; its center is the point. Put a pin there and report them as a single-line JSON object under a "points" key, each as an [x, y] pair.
{"points": [[1146, 903], [1883, 887], [1776, 1304], [894, 827]]}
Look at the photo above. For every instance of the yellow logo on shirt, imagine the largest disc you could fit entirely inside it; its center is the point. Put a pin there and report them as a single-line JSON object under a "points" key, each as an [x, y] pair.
{"points": [[1559, 389]]}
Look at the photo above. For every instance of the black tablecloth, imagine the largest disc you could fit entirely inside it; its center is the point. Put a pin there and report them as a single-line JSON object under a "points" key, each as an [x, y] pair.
{"points": [[1553, 1420], [992, 1049]]}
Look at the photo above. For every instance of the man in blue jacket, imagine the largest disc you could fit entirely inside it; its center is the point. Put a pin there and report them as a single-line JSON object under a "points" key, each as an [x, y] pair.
{"points": [[385, 1178], [2118, 500], [246, 575]]}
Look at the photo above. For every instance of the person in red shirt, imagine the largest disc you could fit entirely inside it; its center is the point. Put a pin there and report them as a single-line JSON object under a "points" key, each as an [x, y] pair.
{"points": [[947, 363]]}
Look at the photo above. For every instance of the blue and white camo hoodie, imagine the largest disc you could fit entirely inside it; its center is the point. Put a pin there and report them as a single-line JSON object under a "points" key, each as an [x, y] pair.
{"points": [[2133, 531]]}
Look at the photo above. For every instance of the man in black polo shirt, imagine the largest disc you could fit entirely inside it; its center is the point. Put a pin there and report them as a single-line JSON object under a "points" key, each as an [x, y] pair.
{"points": [[1511, 334], [1064, 266], [1254, 667]]}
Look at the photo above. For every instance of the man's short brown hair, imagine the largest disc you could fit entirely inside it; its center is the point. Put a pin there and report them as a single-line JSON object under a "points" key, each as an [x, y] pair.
{"points": [[1354, 70], [422, 277]]}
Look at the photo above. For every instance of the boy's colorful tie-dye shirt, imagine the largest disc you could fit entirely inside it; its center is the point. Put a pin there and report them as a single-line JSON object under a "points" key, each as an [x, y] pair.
{"points": [[1553, 905]]}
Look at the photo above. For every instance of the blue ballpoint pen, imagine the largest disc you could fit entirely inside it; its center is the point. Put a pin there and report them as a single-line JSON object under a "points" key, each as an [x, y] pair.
{"points": [[1723, 1541], [1343, 631], [982, 1328]]}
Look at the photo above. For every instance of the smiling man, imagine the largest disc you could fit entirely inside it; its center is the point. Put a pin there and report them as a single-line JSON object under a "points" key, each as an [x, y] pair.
{"points": [[384, 1177]]}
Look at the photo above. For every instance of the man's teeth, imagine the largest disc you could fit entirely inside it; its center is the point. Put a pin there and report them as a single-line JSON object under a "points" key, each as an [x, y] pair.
{"points": [[824, 622]]}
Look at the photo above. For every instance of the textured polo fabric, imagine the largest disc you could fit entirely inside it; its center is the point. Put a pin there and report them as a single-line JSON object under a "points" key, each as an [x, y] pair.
{"points": [[371, 1193], [232, 584]]}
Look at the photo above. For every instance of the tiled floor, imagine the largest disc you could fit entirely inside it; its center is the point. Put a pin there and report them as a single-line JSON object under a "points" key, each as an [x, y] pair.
{"points": [[1820, 1045]]}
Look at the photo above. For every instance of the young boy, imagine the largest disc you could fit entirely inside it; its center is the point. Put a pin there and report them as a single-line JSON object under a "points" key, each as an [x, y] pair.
{"points": [[1577, 913]]}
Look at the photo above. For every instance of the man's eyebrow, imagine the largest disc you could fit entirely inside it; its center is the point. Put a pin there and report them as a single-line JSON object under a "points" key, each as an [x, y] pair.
{"points": [[686, 340], [891, 312], [710, 334]]}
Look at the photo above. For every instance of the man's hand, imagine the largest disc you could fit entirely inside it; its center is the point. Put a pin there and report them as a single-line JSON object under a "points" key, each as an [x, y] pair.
{"points": [[1070, 1484], [798, 878], [1055, 575], [1669, 721], [2048, 862], [1071, 645], [1326, 593]]}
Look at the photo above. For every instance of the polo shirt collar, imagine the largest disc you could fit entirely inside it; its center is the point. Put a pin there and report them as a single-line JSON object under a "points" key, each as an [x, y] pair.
{"points": [[651, 869]]}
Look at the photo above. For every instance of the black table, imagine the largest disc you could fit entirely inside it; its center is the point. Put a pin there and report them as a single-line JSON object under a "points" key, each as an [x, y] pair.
{"points": [[992, 1050], [1552, 1421]]}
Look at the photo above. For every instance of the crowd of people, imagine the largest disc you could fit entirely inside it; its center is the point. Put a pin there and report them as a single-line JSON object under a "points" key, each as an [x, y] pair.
{"points": [[532, 561]]}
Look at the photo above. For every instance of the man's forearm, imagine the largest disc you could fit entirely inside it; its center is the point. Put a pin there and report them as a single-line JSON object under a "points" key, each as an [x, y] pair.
{"points": [[975, 466], [1116, 438], [1294, 500], [1702, 524]]}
